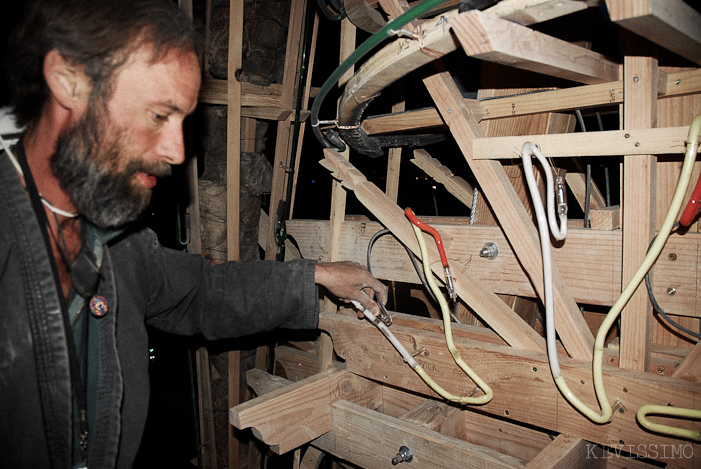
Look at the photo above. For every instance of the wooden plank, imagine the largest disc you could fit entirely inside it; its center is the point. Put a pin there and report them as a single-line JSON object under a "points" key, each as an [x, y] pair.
{"points": [[394, 155], [296, 364], [393, 62], [673, 24], [493, 39], [267, 113], [599, 283], [338, 194], [676, 272], [607, 218], [289, 417], [639, 176], [263, 383], [690, 368], [304, 103], [233, 131], [281, 160], [456, 185], [215, 91], [516, 376], [506, 436], [527, 12], [205, 407], [664, 141], [580, 97], [502, 319], [371, 440], [566, 452], [577, 182], [512, 216], [233, 177]]}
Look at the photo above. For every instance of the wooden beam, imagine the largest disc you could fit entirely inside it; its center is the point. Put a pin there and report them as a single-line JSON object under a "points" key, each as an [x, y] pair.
{"points": [[289, 417], [338, 195], [639, 181], [281, 160], [690, 368], [522, 383], [490, 308], [598, 284], [566, 452], [527, 12], [672, 24], [579, 97], [510, 212], [443, 175], [490, 38], [233, 178], [215, 91], [393, 62], [665, 141], [606, 218], [371, 440]]}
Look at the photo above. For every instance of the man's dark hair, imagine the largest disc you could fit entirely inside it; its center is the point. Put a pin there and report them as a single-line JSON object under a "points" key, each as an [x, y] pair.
{"points": [[99, 35]]}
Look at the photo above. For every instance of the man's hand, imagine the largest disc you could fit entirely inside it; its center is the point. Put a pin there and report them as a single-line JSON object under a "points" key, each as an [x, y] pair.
{"points": [[351, 281]]}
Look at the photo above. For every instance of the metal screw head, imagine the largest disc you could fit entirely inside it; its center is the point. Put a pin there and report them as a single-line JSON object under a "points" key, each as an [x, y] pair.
{"points": [[636, 79], [672, 256], [671, 291], [489, 251], [404, 455]]}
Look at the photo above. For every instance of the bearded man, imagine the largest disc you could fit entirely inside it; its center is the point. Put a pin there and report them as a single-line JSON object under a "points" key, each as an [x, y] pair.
{"points": [[103, 89]]}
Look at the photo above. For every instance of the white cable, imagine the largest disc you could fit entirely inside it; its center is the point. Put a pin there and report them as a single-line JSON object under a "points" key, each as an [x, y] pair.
{"points": [[387, 333], [527, 150]]}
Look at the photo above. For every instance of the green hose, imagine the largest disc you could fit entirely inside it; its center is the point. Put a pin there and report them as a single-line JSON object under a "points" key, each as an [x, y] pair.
{"points": [[357, 54]]}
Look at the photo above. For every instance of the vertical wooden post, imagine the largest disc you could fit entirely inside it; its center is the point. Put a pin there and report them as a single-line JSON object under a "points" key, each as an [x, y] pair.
{"points": [[640, 76], [338, 197], [305, 103], [233, 169], [394, 160], [672, 112], [282, 141]]}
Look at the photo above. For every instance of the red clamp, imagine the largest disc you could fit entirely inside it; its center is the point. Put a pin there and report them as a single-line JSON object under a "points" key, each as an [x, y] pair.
{"points": [[439, 244], [692, 207]]}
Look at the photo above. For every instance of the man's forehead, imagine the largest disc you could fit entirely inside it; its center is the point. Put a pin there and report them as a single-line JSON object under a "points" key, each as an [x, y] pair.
{"points": [[161, 73]]}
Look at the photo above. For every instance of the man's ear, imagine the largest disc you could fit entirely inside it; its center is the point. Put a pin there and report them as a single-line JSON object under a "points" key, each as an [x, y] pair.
{"points": [[68, 83]]}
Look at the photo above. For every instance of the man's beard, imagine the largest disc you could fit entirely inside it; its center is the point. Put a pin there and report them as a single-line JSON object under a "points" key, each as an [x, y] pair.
{"points": [[87, 164]]}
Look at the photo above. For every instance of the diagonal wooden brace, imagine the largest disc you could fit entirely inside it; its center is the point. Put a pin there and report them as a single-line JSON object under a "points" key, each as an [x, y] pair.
{"points": [[488, 305], [509, 210]]}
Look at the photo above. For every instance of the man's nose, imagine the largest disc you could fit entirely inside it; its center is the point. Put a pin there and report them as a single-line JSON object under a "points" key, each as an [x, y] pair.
{"points": [[171, 147]]}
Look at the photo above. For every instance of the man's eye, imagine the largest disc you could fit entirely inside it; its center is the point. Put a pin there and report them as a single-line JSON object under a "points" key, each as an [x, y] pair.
{"points": [[160, 117]]}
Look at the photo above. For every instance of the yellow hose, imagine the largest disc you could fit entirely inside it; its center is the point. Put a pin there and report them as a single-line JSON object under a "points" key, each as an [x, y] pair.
{"points": [[615, 311], [445, 310], [670, 412]]}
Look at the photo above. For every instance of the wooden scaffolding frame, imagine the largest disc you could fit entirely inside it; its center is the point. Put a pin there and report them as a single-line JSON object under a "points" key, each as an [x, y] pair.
{"points": [[365, 408]]}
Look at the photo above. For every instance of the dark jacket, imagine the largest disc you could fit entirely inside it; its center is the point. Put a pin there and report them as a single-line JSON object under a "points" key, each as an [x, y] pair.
{"points": [[145, 284]]}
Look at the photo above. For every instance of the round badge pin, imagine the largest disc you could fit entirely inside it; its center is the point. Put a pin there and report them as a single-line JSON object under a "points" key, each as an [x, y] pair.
{"points": [[98, 306]]}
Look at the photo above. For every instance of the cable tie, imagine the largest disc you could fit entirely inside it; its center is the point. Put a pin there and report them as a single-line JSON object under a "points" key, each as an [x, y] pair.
{"points": [[326, 122], [347, 127], [402, 32], [427, 50]]}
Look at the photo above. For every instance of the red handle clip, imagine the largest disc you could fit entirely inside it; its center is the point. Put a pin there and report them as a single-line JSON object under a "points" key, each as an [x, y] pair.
{"points": [[430, 230], [692, 208]]}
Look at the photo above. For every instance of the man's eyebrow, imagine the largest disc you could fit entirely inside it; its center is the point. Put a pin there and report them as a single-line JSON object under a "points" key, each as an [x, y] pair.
{"points": [[173, 107]]}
